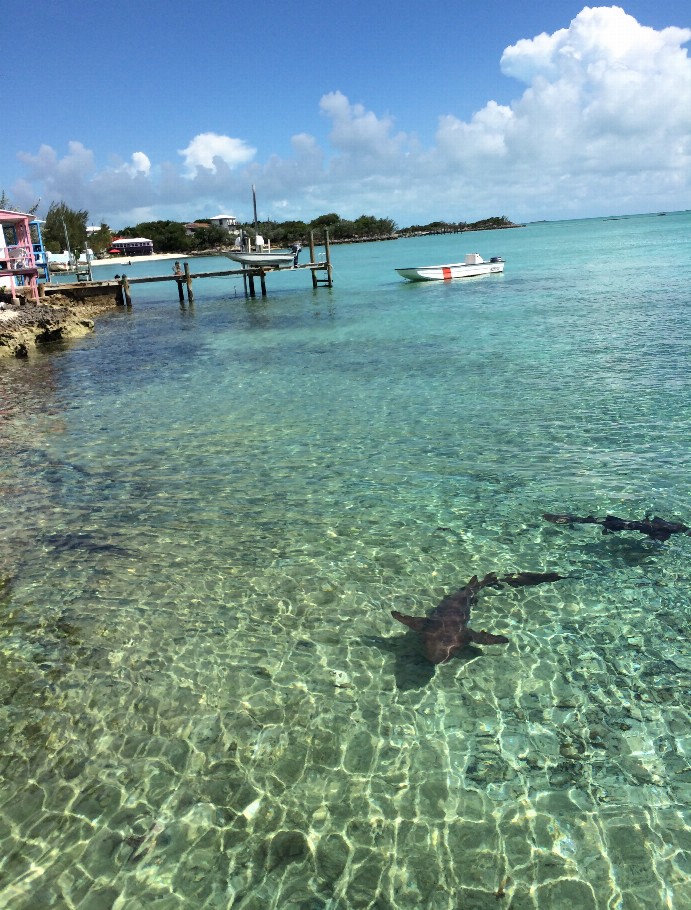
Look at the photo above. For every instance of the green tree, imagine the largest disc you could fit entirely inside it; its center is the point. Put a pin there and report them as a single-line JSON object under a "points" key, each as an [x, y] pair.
{"points": [[64, 225], [325, 221], [282, 233], [341, 229], [369, 226], [167, 236], [101, 240], [208, 238]]}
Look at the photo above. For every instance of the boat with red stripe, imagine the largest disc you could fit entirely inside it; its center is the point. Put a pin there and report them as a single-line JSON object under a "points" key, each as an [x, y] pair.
{"points": [[473, 266]]}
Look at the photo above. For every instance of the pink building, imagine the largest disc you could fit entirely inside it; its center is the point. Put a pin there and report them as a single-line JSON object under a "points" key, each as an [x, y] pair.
{"points": [[17, 263]]}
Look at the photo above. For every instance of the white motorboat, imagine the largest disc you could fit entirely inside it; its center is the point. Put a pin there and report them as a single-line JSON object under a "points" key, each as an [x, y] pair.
{"points": [[258, 259], [473, 266], [274, 259]]}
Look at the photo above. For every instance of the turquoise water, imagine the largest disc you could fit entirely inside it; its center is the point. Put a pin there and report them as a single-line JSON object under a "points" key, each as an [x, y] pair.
{"points": [[209, 513]]}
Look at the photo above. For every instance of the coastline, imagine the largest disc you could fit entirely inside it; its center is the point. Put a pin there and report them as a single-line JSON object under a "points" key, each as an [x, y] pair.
{"points": [[27, 325], [24, 324]]}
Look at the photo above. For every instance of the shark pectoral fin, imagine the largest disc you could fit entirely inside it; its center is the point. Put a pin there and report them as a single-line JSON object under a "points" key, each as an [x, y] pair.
{"points": [[417, 623], [486, 638]]}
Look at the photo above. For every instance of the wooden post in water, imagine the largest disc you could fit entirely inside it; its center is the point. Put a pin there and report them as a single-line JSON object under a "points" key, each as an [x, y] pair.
{"points": [[181, 293], [250, 278], [313, 258], [125, 299], [262, 280], [188, 279], [327, 245]]}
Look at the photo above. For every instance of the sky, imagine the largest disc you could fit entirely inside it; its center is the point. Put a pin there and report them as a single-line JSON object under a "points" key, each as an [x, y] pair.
{"points": [[455, 111]]}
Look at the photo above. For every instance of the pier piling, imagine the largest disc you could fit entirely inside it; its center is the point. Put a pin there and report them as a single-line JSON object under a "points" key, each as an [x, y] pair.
{"points": [[120, 285], [123, 296], [327, 247], [188, 280], [313, 259]]}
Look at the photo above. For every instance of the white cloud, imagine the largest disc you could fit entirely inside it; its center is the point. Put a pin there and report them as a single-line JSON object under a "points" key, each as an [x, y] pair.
{"points": [[606, 96], [140, 164], [484, 137], [46, 166], [597, 40], [356, 131], [602, 123], [206, 150]]}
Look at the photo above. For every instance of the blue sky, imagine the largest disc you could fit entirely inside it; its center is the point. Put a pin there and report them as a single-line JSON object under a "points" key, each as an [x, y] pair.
{"points": [[136, 111]]}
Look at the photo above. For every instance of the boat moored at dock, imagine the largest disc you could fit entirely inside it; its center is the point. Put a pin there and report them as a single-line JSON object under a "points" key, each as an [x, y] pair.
{"points": [[473, 266], [272, 259]]}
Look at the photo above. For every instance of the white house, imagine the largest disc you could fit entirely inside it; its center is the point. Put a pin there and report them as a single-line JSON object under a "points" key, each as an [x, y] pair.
{"points": [[227, 222]]}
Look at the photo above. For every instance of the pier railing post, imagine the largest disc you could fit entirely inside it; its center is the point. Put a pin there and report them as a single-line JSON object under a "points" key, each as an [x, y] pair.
{"points": [[188, 279], [119, 286], [327, 245], [125, 291], [313, 258]]}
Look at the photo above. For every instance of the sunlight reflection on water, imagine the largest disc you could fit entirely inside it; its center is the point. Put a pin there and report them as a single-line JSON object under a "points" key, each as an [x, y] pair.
{"points": [[209, 516]]}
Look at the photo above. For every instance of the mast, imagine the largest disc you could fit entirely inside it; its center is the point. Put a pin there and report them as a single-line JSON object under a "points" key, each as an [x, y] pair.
{"points": [[254, 201], [67, 242]]}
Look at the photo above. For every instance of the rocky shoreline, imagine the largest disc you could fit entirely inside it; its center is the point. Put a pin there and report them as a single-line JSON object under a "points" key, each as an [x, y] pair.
{"points": [[25, 325]]}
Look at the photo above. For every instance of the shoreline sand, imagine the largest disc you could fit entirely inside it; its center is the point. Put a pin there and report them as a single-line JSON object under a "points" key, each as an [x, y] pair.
{"points": [[131, 260]]}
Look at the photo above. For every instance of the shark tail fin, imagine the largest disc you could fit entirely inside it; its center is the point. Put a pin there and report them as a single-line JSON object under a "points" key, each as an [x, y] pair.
{"points": [[490, 581], [521, 579]]}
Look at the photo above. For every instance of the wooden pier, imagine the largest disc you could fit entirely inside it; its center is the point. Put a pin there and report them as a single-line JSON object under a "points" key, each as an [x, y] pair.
{"points": [[321, 273]]}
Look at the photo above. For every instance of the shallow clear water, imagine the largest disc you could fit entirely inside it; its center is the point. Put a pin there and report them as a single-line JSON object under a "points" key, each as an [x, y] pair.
{"points": [[209, 513]]}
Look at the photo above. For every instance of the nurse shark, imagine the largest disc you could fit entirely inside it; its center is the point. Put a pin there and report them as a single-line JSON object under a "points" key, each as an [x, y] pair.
{"points": [[445, 631], [655, 528]]}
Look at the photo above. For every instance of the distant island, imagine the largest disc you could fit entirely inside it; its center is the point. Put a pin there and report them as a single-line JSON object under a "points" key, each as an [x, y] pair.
{"points": [[496, 223], [204, 236], [364, 229]]}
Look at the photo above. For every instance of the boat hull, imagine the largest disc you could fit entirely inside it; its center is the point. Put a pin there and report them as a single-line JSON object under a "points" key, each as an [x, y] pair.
{"points": [[263, 260], [452, 271]]}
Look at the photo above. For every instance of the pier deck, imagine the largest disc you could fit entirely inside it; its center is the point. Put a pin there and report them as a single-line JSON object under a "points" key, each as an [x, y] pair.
{"points": [[120, 287]]}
